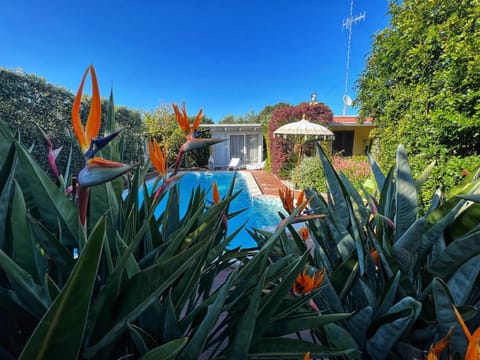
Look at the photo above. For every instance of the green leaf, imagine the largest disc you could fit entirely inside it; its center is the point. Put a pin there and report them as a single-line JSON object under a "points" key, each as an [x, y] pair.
{"points": [[463, 280], [243, 333], [31, 295], [198, 340], [404, 314], [284, 348], [405, 195], [446, 317], [60, 332], [335, 187], [166, 351], [46, 200], [141, 290], [142, 340], [340, 339], [293, 324], [377, 172], [456, 254], [59, 254], [22, 246]]}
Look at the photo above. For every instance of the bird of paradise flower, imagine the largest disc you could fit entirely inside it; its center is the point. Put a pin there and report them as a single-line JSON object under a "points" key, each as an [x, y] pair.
{"points": [[97, 170], [192, 134]]}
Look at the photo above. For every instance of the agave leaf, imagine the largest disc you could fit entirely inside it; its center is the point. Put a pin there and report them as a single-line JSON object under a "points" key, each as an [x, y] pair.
{"points": [[445, 316], [166, 351], [23, 248], [272, 302], [51, 289], [30, 294], [423, 176], [293, 324], [470, 197], [51, 245], [463, 280], [389, 296], [377, 172], [466, 220], [335, 187], [141, 290], [60, 332], [6, 184], [8, 165], [284, 348], [142, 340], [358, 325], [343, 276], [170, 327], [403, 315], [242, 336], [405, 195], [456, 254], [198, 340], [45, 200], [341, 339], [104, 200]]}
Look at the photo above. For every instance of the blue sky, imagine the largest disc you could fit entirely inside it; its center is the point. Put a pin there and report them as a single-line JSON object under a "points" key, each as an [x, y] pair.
{"points": [[225, 56]]}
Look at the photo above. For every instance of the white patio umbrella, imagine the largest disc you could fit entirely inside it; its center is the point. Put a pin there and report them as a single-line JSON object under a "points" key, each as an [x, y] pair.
{"points": [[302, 131], [305, 129]]}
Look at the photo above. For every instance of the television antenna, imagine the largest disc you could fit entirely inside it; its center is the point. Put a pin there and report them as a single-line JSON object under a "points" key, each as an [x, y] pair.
{"points": [[347, 24]]}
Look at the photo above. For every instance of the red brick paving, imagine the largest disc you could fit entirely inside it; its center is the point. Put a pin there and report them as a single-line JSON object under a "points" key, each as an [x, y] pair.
{"points": [[267, 182]]}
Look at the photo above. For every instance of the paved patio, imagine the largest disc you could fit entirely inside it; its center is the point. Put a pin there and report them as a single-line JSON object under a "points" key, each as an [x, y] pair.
{"points": [[267, 182]]}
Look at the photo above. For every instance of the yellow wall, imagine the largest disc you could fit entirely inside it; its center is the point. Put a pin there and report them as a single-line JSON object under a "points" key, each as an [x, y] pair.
{"points": [[360, 138]]}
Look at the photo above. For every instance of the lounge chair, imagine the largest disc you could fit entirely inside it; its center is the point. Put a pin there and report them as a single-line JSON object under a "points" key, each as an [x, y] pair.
{"points": [[256, 166], [234, 164]]}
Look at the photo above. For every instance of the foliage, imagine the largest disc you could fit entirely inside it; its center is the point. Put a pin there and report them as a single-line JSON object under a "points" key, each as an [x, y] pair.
{"points": [[161, 124], [264, 117], [143, 285], [281, 149], [248, 118], [401, 272], [27, 101], [310, 172], [421, 84]]}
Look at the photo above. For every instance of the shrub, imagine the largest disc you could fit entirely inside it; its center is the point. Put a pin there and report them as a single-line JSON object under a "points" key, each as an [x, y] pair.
{"points": [[310, 172]]}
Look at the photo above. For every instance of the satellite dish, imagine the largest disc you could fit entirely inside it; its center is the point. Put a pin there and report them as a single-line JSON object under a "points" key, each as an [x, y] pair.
{"points": [[347, 100]]}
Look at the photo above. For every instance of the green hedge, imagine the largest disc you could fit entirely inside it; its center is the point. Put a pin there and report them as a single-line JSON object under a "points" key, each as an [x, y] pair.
{"points": [[27, 100]]}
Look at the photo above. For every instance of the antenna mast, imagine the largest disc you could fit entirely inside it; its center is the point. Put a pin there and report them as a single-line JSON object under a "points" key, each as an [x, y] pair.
{"points": [[347, 24]]}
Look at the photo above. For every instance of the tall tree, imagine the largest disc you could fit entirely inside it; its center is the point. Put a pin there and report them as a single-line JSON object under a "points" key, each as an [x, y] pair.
{"points": [[422, 81]]}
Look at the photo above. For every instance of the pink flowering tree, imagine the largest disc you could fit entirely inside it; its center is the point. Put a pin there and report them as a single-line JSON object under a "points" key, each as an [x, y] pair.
{"points": [[282, 149]]}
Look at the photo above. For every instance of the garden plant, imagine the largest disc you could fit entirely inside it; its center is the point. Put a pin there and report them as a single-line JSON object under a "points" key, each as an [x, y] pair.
{"points": [[87, 270]]}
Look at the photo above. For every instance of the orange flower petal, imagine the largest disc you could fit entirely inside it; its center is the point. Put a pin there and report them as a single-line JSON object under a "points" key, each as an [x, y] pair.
{"points": [[157, 157], [216, 194], [92, 127], [437, 348], [307, 356], [76, 121], [304, 233], [473, 349], [182, 119], [104, 162], [196, 123]]}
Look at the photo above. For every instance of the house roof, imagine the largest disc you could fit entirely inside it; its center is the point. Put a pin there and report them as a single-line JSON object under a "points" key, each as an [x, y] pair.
{"points": [[350, 120]]}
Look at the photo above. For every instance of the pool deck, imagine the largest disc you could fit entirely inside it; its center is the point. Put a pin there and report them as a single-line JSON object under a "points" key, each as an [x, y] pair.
{"points": [[267, 182]]}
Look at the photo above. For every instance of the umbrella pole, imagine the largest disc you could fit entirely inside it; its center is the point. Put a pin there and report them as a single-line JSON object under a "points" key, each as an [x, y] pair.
{"points": [[295, 178]]}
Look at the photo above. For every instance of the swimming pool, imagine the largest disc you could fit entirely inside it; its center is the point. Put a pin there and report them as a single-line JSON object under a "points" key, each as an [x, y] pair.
{"points": [[261, 211]]}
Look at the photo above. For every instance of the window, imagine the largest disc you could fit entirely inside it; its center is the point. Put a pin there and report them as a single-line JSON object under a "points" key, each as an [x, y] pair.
{"points": [[343, 142]]}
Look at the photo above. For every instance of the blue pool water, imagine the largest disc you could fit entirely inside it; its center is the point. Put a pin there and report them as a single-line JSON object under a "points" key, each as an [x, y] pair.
{"points": [[261, 211]]}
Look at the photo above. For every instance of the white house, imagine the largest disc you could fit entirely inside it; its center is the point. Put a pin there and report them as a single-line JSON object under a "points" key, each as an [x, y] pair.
{"points": [[244, 141]]}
